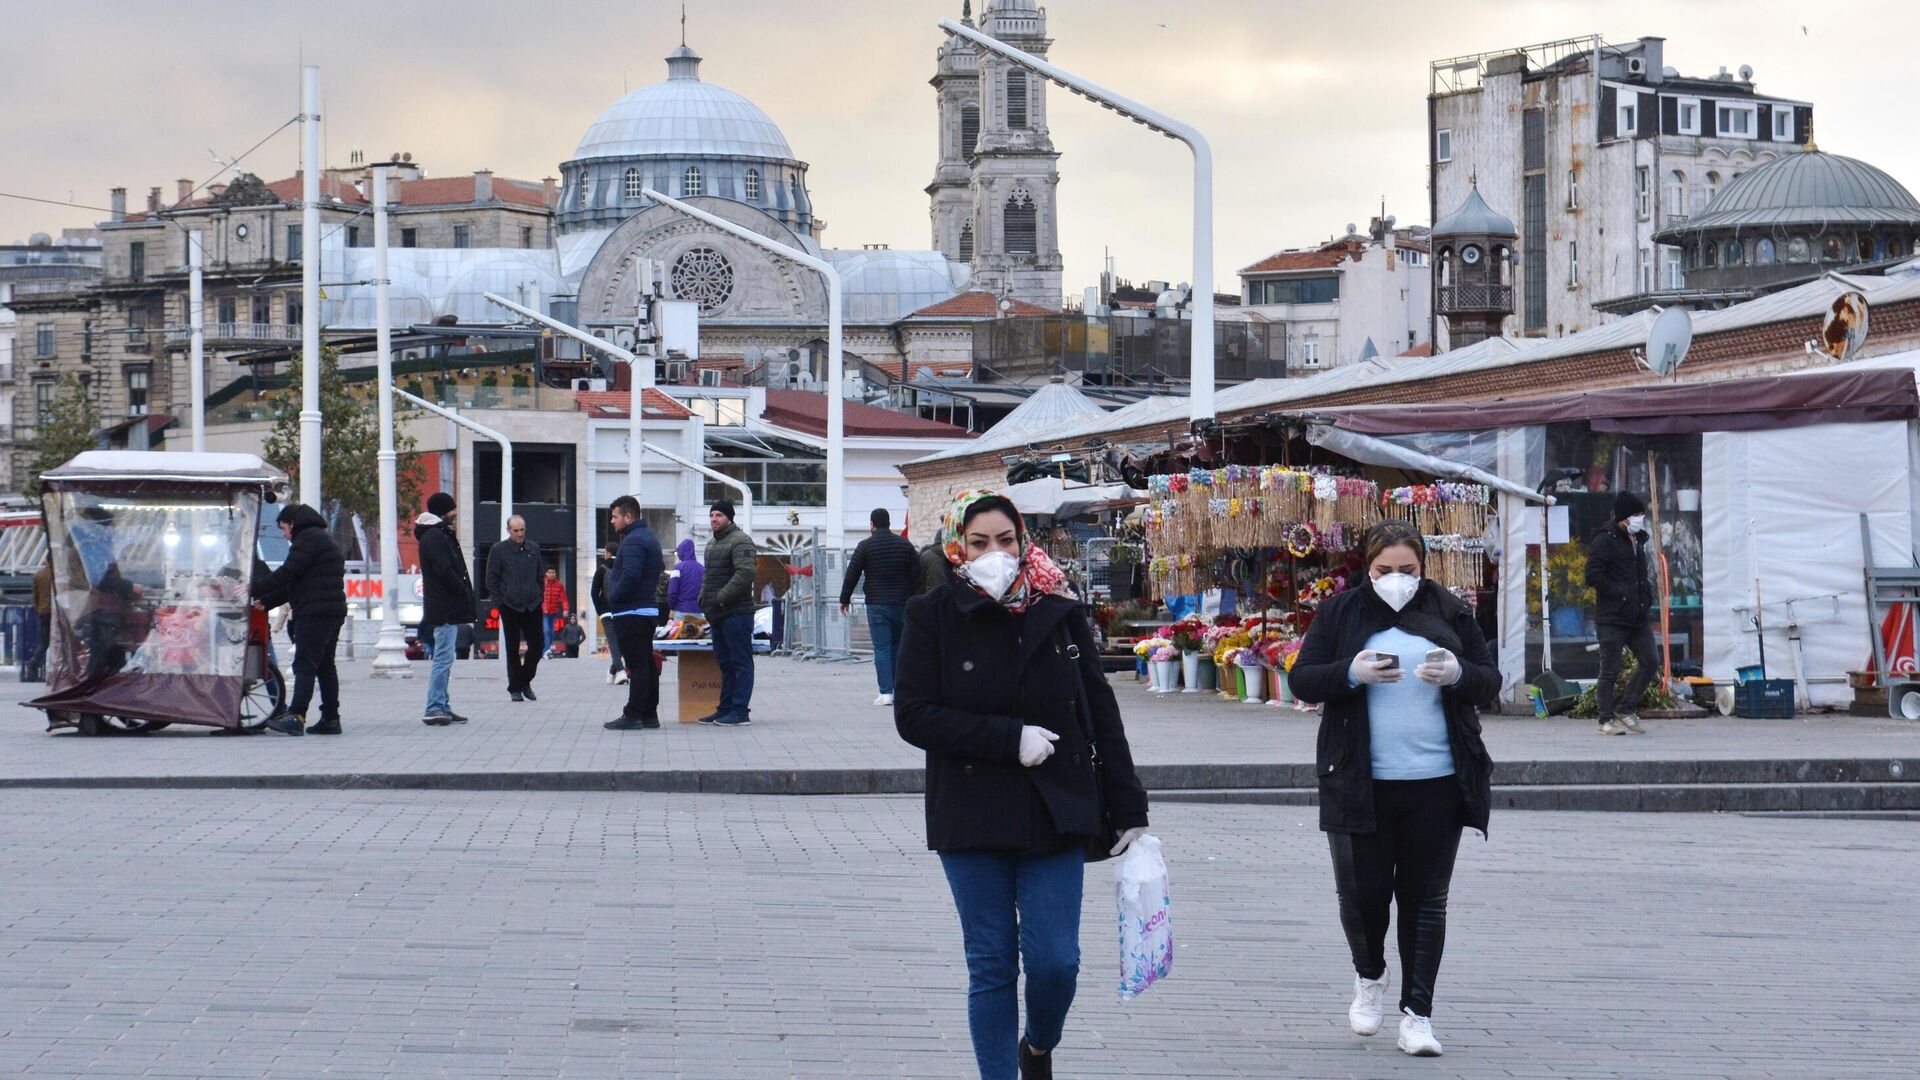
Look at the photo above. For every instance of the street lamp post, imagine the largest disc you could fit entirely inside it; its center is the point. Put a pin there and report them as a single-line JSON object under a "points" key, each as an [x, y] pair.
{"points": [[197, 334], [310, 287], [1201, 393], [390, 652], [836, 364], [640, 374]]}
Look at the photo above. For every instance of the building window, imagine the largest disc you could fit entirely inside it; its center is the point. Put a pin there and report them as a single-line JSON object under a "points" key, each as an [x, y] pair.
{"points": [[751, 188], [1896, 248], [1533, 257], [294, 313], [1644, 259], [137, 261], [1736, 121], [1573, 264], [1676, 276], [226, 310], [1643, 183], [1763, 252], [137, 391], [1310, 350], [969, 128], [353, 236], [966, 242], [690, 182], [1736, 254], [1312, 290], [1017, 100], [262, 310], [1831, 250], [704, 276], [1676, 195], [1628, 116], [409, 237], [44, 393], [1798, 250], [1573, 189], [1443, 145], [1713, 189], [1022, 224], [1864, 246], [462, 236], [43, 340], [295, 247], [634, 185], [526, 236], [1782, 124], [1709, 254], [1689, 116]]}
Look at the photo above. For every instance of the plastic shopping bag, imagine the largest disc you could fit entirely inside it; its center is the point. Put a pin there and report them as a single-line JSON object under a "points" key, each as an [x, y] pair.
{"points": [[1146, 927]]}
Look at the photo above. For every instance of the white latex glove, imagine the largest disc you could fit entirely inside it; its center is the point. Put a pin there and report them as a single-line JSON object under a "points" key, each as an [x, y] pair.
{"points": [[1444, 673], [1128, 837], [1370, 668], [1036, 745]]}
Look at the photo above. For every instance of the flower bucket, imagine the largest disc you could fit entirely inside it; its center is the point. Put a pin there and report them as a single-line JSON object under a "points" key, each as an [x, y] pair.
{"points": [[1686, 499], [1209, 674], [1190, 672], [1140, 671], [1166, 676], [1282, 693], [1569, 623], [1255, 682]]}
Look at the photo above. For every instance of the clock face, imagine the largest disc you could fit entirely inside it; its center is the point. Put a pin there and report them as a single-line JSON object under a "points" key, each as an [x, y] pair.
{"points": [[1469, 255], [240, 231]]}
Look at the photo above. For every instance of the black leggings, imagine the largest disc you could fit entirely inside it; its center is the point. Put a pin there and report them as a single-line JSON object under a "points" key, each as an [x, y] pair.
{"points": [[1408, 858]]}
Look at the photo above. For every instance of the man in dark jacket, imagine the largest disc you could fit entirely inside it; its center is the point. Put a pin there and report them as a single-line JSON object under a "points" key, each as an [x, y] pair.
{"points": [[515, 573], [935, 570], [314, 581], [447, 595], [892, 570], [1617, 570], [597, 593], [727, 599], [632, 613]]}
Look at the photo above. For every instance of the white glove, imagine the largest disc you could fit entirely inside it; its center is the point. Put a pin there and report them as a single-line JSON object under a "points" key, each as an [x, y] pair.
{"points": [[1370, 668], [1036, 745], [1128, 837], [1444, 673]]}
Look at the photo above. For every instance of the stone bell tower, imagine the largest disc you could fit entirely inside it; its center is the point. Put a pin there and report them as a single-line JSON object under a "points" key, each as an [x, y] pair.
{"points": [[1473, 271], [1016, 235]]}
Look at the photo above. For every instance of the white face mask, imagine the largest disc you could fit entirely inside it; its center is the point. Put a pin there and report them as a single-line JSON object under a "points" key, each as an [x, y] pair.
{"points": [[1396, 589], [992, 573], [1637, 523]]}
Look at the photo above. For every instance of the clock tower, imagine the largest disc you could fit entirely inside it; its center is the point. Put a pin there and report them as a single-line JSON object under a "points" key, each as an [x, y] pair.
{"points": [[1473, 271]]}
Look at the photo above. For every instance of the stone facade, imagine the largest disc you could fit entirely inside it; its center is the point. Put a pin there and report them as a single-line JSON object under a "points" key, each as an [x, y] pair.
{"points": [[1013, 176]]}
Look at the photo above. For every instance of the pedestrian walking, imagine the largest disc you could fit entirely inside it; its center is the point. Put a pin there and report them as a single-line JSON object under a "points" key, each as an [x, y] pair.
{"points": [[632, 583], [313, 581], [1027, 768], [554, 606], [42, 615], [597, 592], [1401, 764], [1617, 571], [515, 568], [446, 602], [727, 600], [568, 639], [684, 581], [892, 571]]}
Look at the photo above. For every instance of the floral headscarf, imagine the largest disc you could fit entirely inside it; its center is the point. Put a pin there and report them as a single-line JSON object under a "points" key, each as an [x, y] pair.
{"points": [[1039, 574]]}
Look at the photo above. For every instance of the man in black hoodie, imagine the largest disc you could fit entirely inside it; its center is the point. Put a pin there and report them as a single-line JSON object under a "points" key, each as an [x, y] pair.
{"points": [[1617, 570], [447, 595], [314, 581]]}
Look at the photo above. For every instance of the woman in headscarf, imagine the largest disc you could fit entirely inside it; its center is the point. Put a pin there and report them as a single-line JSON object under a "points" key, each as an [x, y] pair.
{"points": [[1028, 771]]}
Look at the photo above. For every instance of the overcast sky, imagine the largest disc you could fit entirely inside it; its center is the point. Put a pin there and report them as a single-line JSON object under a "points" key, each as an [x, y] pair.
{"points": [[1315, 109]]}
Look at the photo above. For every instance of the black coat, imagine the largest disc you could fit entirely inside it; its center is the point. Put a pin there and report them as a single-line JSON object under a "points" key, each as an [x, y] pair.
{"points": [[969, 675], [633, 578], [1617, 570], [314, 577], [445, 585], [935, 570], [516, 576], [891, 565], [1343, 759]]}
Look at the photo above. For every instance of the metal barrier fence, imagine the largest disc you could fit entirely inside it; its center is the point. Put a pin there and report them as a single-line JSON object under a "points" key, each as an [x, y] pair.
{"points": [[815, 629]]}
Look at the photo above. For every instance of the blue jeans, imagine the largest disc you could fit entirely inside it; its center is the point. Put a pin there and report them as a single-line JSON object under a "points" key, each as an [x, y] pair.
{"points": [[885, 623], [445, 639], [1015, 910], [546, 621], [733, 651]]}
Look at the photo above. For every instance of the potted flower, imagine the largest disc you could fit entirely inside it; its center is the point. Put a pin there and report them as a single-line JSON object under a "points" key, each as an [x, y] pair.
{"points": [[1188, 636], [1166, 669], [1144, 650], [1252, 676]]}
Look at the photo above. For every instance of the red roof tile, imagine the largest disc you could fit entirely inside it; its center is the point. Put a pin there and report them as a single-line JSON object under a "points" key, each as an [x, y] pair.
{"points": [[1425, 348], [608, 404], [978, 305], [458, 190], [1298, 260], [806, 411]]}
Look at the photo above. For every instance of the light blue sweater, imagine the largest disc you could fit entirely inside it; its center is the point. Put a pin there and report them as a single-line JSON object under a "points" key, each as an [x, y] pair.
{"points": [[1407, 720]]}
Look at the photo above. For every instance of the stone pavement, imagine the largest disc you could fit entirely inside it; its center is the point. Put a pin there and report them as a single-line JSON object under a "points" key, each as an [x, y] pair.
{"points": [[369, 935], [811, 717]]}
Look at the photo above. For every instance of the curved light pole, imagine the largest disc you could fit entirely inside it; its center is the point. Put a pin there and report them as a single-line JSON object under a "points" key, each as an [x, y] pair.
{"points": [[836, 364], [638, 379], [1201, 378], [485, 432]]}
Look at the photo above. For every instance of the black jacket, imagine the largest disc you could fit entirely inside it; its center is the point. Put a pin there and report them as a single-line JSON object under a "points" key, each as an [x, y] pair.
{"points": [[445, 585], [314, 577], [1617, 570], [935, 570], [516, 575], [597, 592], [891, 566], [1344, 757], [969, 675]]}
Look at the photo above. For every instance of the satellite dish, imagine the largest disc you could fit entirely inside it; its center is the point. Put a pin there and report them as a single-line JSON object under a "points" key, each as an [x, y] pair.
{"points": [[1668, 341], [1845, 329], [1746, 72]]}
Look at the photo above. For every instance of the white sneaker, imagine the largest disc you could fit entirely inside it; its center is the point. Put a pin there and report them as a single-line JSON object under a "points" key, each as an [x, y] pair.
{"points": [[609, 678], [1416, 1035], [883, 699], [620, 678], [1631, 723], [1369, 996], [1609, 727]]}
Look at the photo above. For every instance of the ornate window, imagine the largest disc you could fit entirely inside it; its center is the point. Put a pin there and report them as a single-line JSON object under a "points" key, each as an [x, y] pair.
{"points": [[1798, 250], [690, 182], [1676, 194], [1021, 224], [969, 128], [1865, 247], [1763, 252], [966, 242], [1016, 100], [1832, 250], [633, 183], [751, 189], [704, 276], [1735, 254]]}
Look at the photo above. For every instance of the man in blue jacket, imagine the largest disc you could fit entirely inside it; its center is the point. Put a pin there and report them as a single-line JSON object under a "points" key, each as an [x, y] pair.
{"points": [[632, 613]]}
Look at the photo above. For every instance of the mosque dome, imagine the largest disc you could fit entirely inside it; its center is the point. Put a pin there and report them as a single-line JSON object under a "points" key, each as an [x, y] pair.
{"points": [[1810, 189], [683, 117], [1473, 218]]}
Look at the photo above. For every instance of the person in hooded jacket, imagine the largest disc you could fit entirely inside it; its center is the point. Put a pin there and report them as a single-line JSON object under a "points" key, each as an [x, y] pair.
{"points": [[597, 592], [313, 581], [447, 596], [1028, 768], [632, 583], [684, 581], [1617, 571], [1400, 669]]}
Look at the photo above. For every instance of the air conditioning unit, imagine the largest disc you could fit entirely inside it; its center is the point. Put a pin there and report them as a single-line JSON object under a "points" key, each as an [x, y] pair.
{"points": [[1636, 65], [779, 374], [584, 385], [677, 371]]}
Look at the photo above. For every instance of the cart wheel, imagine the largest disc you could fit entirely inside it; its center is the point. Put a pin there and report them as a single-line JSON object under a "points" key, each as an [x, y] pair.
{"points": [[264, 696], [93, 724]]}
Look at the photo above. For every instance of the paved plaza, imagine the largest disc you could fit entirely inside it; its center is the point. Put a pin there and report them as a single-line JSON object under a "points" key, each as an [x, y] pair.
{"points": [[480, 934]]}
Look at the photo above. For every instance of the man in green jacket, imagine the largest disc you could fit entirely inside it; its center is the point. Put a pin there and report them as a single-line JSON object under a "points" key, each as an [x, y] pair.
{"points": [[726, 597]]}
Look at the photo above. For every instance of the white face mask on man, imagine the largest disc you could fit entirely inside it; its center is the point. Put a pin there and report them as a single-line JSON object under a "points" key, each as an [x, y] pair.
{"points": [[1396, 589], [1637, 523], [992, 573]]}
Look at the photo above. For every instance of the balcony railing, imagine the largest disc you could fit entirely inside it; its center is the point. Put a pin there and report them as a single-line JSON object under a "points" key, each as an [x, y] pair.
{"points": [[140, 341], [1463, 298], [236, 331]]}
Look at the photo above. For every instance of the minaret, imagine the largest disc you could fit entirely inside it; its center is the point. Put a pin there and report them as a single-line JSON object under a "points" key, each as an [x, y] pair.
{"points": [[1015, 223], [956, 84], [1473, 277]]}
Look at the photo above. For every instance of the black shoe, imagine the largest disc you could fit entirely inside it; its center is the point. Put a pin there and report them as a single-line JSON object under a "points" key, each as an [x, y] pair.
{"points": [[650, 722], [329, 725], [437, 719], [711, 717], [516, 695], [732, 720], [457, 718], [1034, 1066], [531, 696], [287, 724], [628, 723]]}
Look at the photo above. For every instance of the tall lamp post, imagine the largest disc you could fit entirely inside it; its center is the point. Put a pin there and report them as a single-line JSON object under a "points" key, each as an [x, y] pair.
{"points": [[1201, 394], [836, 364], [310, 286], [390, 651]]}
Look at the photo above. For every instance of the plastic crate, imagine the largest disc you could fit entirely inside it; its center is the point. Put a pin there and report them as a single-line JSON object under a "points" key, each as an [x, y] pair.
{"points": [[1764, 699]]}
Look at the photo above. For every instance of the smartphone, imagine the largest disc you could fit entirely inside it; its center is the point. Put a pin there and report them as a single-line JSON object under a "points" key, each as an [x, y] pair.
{"points": [[1392, 661], [1436, 656]]}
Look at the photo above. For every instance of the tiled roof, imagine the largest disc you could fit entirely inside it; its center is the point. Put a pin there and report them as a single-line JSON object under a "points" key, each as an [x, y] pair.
{"points": [[806, 411], [978, 305], [612, 404], [1425, 348], [457, 190]]}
